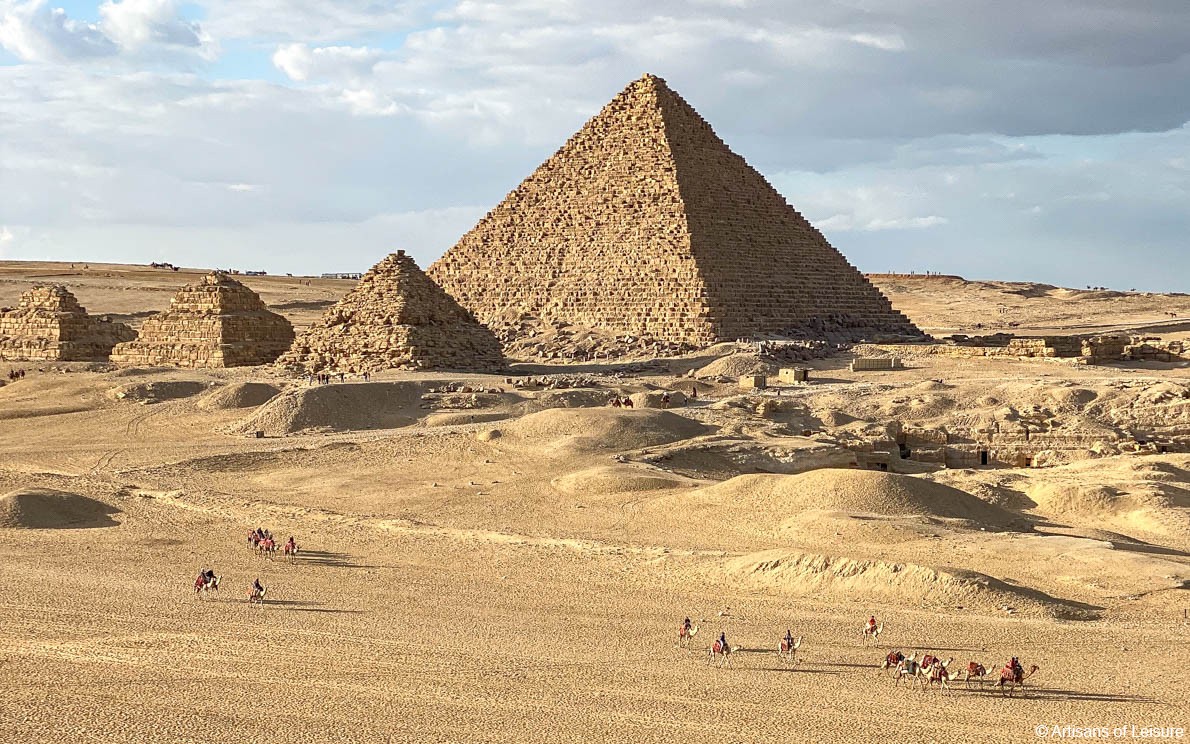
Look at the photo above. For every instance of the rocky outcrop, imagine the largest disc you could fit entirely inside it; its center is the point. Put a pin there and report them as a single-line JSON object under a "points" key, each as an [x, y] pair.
{"points": [[395, 318], [51, 325], [645, 223], [216, 323]]}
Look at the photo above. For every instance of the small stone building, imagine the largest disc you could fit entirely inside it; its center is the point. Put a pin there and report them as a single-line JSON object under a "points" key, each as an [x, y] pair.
{"points": [[217, 322], [50, 325], [395, 318]]}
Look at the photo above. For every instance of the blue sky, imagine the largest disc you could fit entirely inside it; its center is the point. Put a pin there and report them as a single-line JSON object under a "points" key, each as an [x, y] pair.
{"points": [[1011, 140]]}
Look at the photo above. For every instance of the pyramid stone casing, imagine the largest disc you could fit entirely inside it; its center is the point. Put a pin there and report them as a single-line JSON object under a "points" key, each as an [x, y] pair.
{"points": [[217, 322], [395, 318], [644, 222], [49, 324]]}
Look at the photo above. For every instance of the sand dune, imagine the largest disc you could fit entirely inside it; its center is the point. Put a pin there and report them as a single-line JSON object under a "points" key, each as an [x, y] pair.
{"points": [[239, 395], [618, 479], [589, 430], [849, 491], [46, 509], [904, 584], [339, 407]]}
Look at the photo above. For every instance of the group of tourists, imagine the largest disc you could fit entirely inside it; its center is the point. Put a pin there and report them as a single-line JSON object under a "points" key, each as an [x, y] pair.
{"points": [[15, 374], [326, 378]]}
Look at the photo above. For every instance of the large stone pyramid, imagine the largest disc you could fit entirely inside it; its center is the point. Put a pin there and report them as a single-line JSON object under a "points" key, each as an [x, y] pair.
{"points": [[644, 222], [395, 318], [217, 322], [49, 324]]}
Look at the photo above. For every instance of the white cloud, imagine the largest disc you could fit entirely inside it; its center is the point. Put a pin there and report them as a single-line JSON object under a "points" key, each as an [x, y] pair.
{"points": [[6, 235], [300, 62], [35, 31], [137, 24], [847, 222]]}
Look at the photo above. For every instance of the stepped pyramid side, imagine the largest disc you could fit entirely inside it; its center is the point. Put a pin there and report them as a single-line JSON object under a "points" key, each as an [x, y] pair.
{"points": [[595, 236], [767, 269], [395, 318], [644, 222], [216, 323], [49, 324]]}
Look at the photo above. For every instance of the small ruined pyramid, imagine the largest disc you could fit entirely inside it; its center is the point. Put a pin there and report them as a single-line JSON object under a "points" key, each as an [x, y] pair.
{"points": [[217, 322], [49, 324], [645, 223], [395, 318]]}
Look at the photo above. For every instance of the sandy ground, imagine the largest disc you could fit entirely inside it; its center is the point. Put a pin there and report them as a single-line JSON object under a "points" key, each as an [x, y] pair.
{"points": [[459, 585]]}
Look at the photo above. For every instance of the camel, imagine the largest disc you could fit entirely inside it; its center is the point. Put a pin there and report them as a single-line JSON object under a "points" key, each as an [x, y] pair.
{"points": [[906, 668], [873, 633], [721, 654], [202, 587], [789, 652], [891, 661], [291, 551], [940, 673], [974, 671], [684, 635], [1013, 677], [255, 597]]}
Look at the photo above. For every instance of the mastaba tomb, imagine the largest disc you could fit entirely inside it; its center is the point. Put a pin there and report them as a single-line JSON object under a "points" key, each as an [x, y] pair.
{"points": [[49, 324], [646, 223], [395, 318], [217, 322]]}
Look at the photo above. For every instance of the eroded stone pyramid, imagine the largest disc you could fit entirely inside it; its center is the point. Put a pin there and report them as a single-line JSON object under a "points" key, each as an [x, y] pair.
{"points": [[49, 324], [395, 318], [644, 222], [217, 322]]}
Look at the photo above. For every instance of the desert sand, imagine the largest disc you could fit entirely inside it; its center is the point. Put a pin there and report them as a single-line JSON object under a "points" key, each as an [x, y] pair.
{"points": [[509, 563]]}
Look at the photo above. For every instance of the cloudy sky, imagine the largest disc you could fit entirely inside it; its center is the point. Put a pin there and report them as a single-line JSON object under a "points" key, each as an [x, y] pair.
{"points": [[1013, 139]]}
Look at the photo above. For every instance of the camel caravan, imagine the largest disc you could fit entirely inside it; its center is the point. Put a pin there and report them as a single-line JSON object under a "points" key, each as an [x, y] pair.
{"points": [[928, 672], [263, 544]]}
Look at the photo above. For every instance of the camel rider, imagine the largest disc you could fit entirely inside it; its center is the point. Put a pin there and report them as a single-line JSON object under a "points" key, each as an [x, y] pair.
{"points": [[257, 587], [788, 638], [686, 626], [1016, 668], [872, 624], [723, 643], [291, 546]]}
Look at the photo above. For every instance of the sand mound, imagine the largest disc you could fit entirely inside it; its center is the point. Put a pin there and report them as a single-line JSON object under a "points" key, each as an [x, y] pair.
{"points": [[454, 418], [1154, 507], [160, 391], [612, 479], [338, 407], [45, 509], [930, 386], [602, 429], [1072, 397], [855, 491], [239, 395], [737, 365], [569, 399], [652, 399], [805, 574]]}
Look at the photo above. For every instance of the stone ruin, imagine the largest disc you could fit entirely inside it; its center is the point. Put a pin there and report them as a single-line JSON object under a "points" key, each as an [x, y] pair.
{"points": [[50, 325], [217, 322], [645, 223], [395, 318]]}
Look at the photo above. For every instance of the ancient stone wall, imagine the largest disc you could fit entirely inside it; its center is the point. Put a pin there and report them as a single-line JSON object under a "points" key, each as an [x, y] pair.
{"points": [[50, 325], [395, 318], [645, 223], [216, 323]]}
